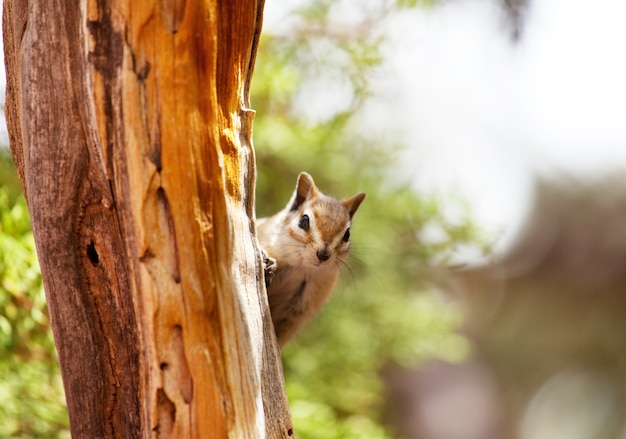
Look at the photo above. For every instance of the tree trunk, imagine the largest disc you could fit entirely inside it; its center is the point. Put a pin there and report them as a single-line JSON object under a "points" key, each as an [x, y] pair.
{"points": [[130, 127]]}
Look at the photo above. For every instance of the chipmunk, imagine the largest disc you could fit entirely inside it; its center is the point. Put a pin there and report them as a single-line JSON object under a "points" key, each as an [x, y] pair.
{"points": [[305, 245]]}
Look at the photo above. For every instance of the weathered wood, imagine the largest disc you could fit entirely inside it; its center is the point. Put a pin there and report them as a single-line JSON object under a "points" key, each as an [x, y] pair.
{"points": [[130, 125]]}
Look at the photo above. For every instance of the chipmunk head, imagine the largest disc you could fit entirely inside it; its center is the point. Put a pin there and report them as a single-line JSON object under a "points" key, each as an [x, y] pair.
{"points": [[320, 223]]}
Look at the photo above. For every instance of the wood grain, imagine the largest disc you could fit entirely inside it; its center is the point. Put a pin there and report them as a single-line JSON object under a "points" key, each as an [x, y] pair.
{"points": [[130, 125]]}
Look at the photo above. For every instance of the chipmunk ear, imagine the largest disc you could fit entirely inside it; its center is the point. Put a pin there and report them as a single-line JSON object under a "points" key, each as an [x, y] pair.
{"points": [[305, 189], [353, 203]]}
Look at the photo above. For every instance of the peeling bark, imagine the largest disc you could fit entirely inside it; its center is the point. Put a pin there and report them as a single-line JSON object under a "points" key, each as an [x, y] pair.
{"points": [[130, 125]]}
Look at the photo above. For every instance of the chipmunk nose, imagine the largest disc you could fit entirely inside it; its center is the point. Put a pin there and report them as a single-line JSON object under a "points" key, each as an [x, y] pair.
{"points": [[324, 254]]}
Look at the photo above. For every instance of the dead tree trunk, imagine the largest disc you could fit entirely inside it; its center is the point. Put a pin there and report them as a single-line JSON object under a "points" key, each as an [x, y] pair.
{"points": [[130, 125]]}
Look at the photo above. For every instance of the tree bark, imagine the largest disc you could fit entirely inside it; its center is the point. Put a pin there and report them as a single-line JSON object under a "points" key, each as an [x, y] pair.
{"points": [[130, 125]]}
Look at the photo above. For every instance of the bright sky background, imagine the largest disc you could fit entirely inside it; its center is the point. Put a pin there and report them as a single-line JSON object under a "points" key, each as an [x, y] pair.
{"points": [[479, 114]]}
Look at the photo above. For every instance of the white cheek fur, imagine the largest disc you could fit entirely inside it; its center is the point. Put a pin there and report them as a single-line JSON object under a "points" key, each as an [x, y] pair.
{"points": [[312, 240]]}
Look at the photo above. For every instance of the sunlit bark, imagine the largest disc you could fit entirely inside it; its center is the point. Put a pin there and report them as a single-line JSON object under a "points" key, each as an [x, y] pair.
{"points": [[130, 125]]}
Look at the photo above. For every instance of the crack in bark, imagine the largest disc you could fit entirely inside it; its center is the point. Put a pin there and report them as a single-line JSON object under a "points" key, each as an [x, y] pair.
{"points": [[168, 231], [185, 382], [173, 12], [166, 415]]}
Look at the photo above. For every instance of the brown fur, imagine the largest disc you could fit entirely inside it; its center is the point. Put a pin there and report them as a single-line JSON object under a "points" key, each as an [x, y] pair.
{"points": [[302, 278]]}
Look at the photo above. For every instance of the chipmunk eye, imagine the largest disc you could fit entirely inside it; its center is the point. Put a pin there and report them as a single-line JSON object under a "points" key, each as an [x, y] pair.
{"points": [[304, 222], [346, 236]]}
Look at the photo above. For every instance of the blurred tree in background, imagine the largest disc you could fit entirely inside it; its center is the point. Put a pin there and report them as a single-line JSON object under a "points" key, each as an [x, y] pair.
{"points": [[382, 310]]}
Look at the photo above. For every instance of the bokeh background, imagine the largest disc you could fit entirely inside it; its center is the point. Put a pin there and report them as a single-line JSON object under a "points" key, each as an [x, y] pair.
{"points": [[487, 284]]}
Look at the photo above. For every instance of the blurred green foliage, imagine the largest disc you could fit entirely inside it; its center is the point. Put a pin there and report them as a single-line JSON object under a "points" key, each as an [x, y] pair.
{"points": [[383, 309], [30, 385]]}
